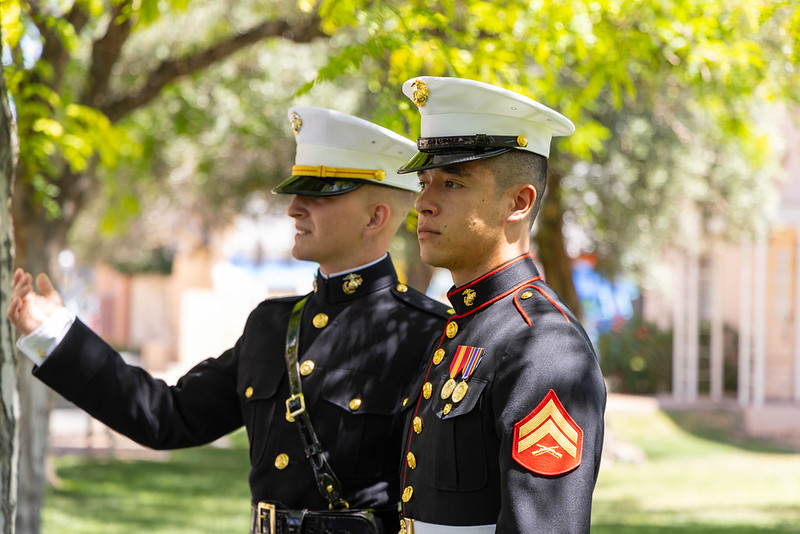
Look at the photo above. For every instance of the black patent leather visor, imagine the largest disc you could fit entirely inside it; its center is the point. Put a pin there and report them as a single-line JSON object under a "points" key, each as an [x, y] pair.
{"points": [[441, 151], [314, 186], [427, 160]]}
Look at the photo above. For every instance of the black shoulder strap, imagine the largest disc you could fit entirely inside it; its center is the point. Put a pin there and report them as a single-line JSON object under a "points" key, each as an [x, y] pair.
{"points": [[327, 482]]}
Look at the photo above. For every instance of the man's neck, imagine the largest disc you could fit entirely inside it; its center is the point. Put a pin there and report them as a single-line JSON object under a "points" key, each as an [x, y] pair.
{"points": [[336, 270], [476, 270]]}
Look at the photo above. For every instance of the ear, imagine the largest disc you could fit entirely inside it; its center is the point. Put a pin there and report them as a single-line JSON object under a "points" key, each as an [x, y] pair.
{"points": [[379, 217], [522, 200]]}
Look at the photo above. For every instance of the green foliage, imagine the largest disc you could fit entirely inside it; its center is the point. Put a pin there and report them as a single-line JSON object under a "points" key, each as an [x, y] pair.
{"points": [[636, 357], [652, 86]]}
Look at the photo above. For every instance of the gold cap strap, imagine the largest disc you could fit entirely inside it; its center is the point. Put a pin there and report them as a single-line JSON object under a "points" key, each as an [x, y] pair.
{"points": [[322, 171]]}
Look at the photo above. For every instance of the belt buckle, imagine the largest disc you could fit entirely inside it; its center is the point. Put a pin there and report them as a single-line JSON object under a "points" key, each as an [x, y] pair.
{"points": [[265, 507], [407, 526]]}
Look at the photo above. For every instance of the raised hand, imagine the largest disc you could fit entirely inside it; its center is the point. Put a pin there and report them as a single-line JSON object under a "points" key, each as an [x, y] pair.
{"points": [[28, 309]]}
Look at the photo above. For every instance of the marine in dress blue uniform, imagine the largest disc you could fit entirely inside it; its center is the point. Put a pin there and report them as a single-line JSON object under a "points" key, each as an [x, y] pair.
{"points": [[507, 429], [362, 337]]}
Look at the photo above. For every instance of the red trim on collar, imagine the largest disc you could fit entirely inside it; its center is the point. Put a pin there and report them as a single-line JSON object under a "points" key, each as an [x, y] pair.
{"points": [[490, 273], [498, 297]]}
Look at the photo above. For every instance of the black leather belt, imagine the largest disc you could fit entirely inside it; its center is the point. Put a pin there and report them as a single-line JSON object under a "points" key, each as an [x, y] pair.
{"points": [[266, 518]]}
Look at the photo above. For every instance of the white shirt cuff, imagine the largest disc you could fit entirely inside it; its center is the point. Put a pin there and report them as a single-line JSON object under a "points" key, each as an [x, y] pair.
{"points": [[40, 343]]}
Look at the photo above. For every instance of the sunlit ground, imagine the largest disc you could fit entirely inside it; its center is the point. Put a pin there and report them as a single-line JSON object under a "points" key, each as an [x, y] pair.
{"points": [[700, 476]]}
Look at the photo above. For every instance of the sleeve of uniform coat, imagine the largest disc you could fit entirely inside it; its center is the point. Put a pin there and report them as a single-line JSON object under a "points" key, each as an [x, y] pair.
{"points": [[551, 354], [201, 407]]}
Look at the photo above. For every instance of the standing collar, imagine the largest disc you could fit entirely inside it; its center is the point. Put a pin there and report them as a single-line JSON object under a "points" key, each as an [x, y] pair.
{"points": [[356, 283], [493, 286]]}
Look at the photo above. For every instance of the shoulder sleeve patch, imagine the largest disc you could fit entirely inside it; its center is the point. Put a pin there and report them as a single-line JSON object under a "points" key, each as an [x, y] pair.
{"points": [[547, 441]]}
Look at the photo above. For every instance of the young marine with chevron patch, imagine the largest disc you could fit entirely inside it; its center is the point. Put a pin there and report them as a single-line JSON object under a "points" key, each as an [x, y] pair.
{"points": [[507, 429]]}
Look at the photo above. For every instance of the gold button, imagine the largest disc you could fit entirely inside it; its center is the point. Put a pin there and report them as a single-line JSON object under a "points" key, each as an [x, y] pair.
{"points": [[402, 288], [427, 389], [447, 408], [306, 367], [405, 401], [320, 320], [417, 424], [282, 460], [412, 460], [407, 493], [355, 404], [526, 295], [451, 311], [248, 392], [522, 140], [438, 356], [452, 329]]}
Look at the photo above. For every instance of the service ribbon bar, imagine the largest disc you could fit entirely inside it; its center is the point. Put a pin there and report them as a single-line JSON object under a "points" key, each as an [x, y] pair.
{"points": [[474, 355], [462, 354]]}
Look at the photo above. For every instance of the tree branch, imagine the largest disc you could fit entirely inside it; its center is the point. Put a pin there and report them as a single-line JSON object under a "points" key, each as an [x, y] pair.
{"points": [[78, 17], [170, 70], [105, 53], [53, 52]]}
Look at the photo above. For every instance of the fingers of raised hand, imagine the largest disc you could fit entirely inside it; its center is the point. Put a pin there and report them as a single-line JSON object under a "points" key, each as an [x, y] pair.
{"points": [[44, 284]]}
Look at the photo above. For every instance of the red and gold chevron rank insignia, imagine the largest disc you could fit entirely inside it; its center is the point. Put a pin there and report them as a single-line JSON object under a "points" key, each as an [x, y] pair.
{"points": [[547, 441]]}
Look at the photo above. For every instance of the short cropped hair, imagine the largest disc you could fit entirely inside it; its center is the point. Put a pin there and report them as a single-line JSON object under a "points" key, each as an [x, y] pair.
{"points": [[519, 167]]}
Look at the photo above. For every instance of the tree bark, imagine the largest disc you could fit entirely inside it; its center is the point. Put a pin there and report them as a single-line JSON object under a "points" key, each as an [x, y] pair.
{"points": [[9, 404], [549, 239]]}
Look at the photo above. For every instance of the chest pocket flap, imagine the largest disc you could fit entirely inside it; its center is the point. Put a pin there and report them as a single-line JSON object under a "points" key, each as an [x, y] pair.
{"points": [[466, 405], [259, 381], [361, 393]]}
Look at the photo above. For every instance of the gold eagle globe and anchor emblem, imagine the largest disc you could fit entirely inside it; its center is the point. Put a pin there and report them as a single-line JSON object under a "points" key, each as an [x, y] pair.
{"points": [[469, 297], [297, 123], [420, 94], [351, 282]]}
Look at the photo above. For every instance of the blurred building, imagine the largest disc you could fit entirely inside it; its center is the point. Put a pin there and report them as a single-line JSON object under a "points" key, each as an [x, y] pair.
{"points": [[171, 321], [753, 289]]}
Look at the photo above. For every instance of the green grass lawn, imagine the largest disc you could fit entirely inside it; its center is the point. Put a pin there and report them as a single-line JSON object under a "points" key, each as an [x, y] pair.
{"points": [[199, 490], [700, 477]]}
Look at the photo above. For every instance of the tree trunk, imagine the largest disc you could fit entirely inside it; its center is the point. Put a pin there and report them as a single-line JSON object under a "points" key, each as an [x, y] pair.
{"points": [[9, 405], [38, 242], [549, 239]]}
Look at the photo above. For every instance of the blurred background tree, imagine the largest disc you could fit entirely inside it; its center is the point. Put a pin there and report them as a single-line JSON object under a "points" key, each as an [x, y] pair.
{"points": [[137, 116], [9, 402]]}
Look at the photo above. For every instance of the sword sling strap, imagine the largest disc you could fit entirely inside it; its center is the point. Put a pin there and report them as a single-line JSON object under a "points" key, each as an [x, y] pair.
{"points": [[327, 482]]}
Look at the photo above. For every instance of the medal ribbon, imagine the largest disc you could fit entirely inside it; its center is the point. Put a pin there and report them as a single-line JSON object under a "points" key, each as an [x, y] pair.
{"points": [[462, 354], [474, 357]]}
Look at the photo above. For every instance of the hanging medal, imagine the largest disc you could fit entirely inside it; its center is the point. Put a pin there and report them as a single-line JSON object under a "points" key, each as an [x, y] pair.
{"points": [[458, 362], [473, 358]]}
